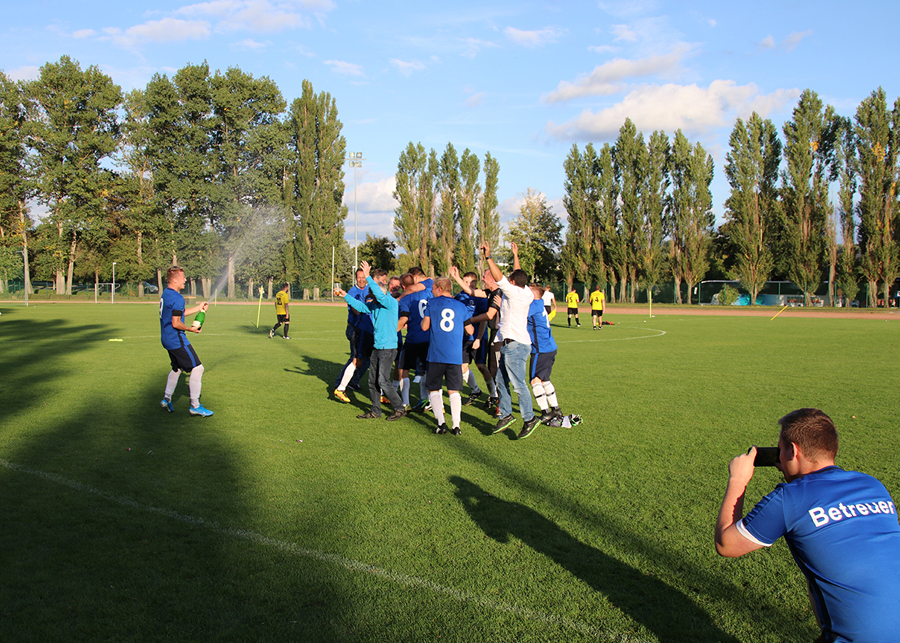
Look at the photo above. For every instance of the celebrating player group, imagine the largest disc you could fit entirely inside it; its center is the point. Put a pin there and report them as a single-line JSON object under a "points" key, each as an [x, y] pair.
{"points": [[497, 328]]}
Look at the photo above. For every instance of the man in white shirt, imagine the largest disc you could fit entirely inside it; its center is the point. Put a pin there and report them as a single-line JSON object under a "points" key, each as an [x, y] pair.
{"points": [[516, 346]]}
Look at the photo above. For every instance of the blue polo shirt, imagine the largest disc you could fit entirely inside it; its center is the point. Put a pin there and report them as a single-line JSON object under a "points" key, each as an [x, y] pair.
{"points": [[842, 529]]}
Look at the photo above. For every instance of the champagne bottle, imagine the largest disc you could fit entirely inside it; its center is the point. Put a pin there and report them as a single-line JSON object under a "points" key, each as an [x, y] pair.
{"points": [[199, 319]]}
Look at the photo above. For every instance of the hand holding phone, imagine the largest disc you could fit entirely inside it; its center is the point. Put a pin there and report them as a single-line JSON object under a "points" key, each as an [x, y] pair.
{"points": [[766, 456]]}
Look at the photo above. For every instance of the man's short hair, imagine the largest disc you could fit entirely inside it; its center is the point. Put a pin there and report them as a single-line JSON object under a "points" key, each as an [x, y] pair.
{"points": [[378, 272], [416, 271], [812, 431], [470, 275], [285, 285], [359, 270], [444, 284], [407, 280], [519, 278], [537, 290], [172, 270]]}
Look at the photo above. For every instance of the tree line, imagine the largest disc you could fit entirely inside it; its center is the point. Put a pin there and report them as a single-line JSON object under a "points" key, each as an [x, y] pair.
{"points": [[641, 211], [213, 171]]}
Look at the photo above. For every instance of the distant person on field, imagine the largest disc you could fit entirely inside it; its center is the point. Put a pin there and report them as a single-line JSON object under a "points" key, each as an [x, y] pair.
{"points": [[841, 527], [549, 301], [572, 303], [598, 301], [282, 300], [181, 354]]}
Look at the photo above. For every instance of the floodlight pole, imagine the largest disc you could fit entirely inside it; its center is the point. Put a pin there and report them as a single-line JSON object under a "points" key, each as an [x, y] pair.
{"points": [[355, 159], [113, 293], [24, 285]]}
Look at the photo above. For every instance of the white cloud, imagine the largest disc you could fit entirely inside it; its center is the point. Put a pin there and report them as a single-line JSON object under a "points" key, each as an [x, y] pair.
{"points": [[794, 39], [534, 38], [407, 68], [473, 46], [696, 110], [624, 32], [251, 45], [27, 72], [603, 49], [475, 100], [374, 206], [345, 68], [711, 22], [158, 31], [768, 42], [629, 8], [607, 78], [83, 33]]}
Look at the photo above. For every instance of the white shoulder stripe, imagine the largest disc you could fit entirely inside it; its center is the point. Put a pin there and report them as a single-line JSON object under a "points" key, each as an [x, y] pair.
{"points": [[746, 534]]}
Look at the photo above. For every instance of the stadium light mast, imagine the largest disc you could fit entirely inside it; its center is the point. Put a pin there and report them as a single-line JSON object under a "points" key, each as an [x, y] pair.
{"points": [[112, 297], [355, 159], [25, 267]]}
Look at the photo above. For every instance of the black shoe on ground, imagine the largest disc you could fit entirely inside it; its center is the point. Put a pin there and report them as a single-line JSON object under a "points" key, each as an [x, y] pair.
{"points": [[396, 415], [455, 431], [474, 396], [529, 427], [441, 429], [368, 415], [547, 415], [504, 423]]}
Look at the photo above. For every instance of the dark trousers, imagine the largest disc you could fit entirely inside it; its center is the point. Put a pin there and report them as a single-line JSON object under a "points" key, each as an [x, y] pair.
{"points": [[380, 379]]}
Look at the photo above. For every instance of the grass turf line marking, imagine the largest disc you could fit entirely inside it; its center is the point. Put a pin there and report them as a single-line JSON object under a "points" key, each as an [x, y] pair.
{"points": [[659, 333], [347, 563]]}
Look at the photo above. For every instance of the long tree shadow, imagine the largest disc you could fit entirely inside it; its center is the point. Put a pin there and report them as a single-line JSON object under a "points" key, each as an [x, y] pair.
{"points": [[660, 608]]}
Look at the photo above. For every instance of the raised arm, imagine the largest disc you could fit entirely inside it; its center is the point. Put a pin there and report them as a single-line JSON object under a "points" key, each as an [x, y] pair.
{"points": [[515, 250], [495, 270]]}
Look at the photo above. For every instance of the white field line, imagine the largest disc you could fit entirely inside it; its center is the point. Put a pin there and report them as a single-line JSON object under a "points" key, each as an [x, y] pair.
{"points": [[347, 563], [658, 333]]}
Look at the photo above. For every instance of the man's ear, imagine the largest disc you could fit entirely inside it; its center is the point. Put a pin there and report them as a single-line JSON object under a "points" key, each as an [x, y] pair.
{"points": [[792, 451]]}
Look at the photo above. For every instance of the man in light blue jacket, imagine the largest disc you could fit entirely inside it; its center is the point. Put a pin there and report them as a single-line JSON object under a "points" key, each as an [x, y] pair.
{"points": [[385, 311]]}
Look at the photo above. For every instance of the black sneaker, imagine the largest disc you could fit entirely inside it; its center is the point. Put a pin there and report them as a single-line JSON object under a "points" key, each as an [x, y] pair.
{"points": [[491, 402], [504, 423], [455, 431], [474, 396], [546, 416], [529, 427], [441, 429], [397, 414], [368, 415]]}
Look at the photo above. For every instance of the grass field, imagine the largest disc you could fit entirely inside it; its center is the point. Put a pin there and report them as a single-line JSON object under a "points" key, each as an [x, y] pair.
{"points": [[284, 518]]}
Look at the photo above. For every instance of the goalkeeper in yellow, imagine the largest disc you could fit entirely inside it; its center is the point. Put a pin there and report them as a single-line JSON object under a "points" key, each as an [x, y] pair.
{"points": [[572, 306], [598, 300], [282, 300]]}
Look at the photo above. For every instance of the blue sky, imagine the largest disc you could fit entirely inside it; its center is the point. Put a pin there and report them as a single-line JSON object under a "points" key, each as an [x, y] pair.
{"points": [[521, 79]]}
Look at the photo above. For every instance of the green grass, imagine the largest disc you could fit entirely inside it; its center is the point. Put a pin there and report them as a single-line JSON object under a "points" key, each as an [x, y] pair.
{"points": [[124, 523]]}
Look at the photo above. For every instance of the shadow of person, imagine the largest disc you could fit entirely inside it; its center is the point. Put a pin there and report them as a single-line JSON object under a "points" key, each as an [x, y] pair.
{"points": [[660, 608]]}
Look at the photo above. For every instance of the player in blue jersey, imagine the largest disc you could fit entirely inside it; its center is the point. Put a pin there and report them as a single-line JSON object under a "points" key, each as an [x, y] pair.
{"points": [[481, 344], [471, 342], [543, 355], [841, 527], [416, 293], [181, 354], [445, 319]]}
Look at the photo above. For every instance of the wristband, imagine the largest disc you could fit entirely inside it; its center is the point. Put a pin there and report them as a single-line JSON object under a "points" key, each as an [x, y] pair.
{"points": [[488, 257]]}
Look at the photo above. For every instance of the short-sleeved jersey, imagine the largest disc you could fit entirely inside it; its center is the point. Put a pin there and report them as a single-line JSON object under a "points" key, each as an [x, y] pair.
{"points": [[598, 299], [548, 298], [364, 320], [448, 318], [468, 301], [352, 317], [412, 306], [842, 529], [171, 304], [539, 329], [572, 299], [282, 299]]}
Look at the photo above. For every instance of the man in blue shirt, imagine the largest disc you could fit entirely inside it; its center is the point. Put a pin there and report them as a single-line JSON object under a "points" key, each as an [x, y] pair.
{"points": [[172, 332], [543, 356], [383, 308], [841, 527], [416, 293], [445, 319]]}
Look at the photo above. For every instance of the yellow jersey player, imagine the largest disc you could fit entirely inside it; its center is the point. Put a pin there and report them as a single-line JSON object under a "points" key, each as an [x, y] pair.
{"points": [[572, 304], [598, 300], [282, 300]]}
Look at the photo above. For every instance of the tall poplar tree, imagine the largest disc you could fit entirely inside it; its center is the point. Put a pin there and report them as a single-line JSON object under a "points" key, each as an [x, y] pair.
{"points": [[468, 197], [752, 171], [809, 159], [630, 163], [690, 214], [488, 213], [878, 148], [582, 255], [14, 192], [415, 192], [444, 227], [848, 171], [73, 129], [654, 187], [317, 151]]}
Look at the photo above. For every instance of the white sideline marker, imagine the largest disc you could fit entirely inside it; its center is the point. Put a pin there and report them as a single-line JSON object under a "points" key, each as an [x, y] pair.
{"points": [[347, 563]]}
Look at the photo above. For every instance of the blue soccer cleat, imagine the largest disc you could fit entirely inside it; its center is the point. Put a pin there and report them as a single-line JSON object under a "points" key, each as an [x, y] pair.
{"points": [[167, 405], [201, 410]]}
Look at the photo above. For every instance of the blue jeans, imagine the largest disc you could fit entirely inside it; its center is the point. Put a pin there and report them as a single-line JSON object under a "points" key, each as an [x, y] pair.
{"points": [[380, 379], [513, 370]]}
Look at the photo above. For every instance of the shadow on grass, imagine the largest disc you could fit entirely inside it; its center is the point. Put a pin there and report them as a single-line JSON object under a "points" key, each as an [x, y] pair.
{"points": [[660, 608]]}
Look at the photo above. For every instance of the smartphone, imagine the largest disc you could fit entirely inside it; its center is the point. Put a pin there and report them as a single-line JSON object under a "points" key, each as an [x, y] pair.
{"points": [[766, 457]]}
